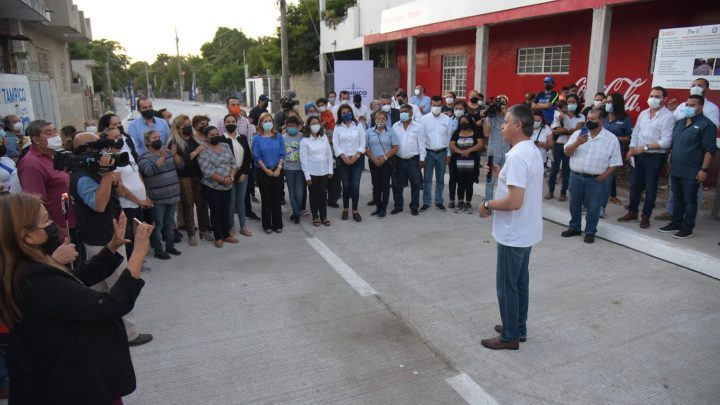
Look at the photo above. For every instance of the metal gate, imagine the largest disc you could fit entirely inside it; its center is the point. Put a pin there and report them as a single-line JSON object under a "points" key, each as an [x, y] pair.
{"points": [[43, 100]]}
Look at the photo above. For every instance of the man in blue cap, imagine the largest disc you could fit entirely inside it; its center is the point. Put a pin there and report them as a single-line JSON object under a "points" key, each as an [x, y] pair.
{"points": [[546, 99]]}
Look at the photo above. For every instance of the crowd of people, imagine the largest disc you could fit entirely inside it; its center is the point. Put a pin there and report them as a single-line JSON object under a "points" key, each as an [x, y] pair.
{"points": [[76, 201]]}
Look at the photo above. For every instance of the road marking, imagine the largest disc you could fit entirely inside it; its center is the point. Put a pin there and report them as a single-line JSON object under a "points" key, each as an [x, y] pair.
{"points": [[472, 393], [342, 268]]}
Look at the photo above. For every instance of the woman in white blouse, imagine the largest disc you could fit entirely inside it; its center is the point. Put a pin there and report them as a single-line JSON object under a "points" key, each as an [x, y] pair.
{"points": [[542, 134], [316, 160], [349, 143]]}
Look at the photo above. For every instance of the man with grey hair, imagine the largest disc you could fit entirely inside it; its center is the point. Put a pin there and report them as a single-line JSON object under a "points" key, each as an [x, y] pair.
{"points": [[517, 225]]}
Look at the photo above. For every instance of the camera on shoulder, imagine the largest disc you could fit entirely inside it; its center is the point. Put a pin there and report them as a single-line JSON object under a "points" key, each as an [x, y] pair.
{"points": [[288, 102], [87, 157]]}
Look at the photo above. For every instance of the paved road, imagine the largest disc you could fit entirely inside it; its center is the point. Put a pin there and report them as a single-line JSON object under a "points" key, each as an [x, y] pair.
{"points": [[273, 319]]}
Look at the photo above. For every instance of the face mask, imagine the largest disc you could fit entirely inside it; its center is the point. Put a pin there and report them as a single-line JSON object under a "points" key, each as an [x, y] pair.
{"points": [[696, 91], [315, 128], [464, 125], [385, 107], [608, 108], [92, 129], [436, 110], [404, 117], [481, 102], [597, 104], [346, 117], [689, 112], [148, 114], [474, 100], [380, 124], [267, 126], [592, 125], [230, 128], [345, 102], [3, 150], [572, 107], [357, 105], [292, 131], [653, 102], [322, 109], [459, 113], [2, 133], [156, 144], [187, 131], [215, 140], [449, 100], [417, 92], [537, 124], [401, 102], [119, 144], [55, 143], [548, 87], [53, 239], [331, 100], [234, 110]]}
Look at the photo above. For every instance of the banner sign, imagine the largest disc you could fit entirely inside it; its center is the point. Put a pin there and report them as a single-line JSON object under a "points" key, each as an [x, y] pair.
{"points": [[15, 97], [685, 54], [355, 76]]}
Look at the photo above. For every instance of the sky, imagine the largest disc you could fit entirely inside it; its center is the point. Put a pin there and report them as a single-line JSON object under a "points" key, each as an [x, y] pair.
{"points": [[147, 27]]}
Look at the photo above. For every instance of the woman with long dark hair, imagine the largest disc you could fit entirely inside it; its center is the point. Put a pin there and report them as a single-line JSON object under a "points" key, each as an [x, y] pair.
{"points": [[466, 143], [349, 143], [316, 160]]}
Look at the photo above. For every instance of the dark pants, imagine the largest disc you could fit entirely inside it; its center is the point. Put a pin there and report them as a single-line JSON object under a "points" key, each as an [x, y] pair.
{"points": [[585, 192], [645, 177], [407, 169], [318, 197], [685, 204], [513, 289], [464, 186], [334, 188], [452, 182], [271, 191], [164, 218], [219, 203], [250, 192], [381, 184], [192, 199], [131, 214], [350, 178], [559, 158]]}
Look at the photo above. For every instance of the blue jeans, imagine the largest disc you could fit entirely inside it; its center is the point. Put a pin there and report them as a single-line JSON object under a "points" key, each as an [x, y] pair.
{"points": [[296, 189], [237, 203], [513, 289], [407, 170], [559, 158], [670, 198], [608, 188], [434, 161], [164, 219], [645, 176], [686, 202], [490, 187], [350, 179], [588, 192]]}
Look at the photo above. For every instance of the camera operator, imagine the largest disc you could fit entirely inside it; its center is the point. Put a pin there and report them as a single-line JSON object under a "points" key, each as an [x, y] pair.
{"points": [[492, 127], [287, 103], [97, 205]]}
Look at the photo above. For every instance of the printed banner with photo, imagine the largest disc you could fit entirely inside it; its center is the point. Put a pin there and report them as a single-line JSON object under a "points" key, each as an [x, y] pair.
{"points": [[684, 54]]}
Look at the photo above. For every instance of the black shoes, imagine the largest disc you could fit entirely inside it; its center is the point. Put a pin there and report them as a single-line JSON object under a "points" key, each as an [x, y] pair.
{"points": [[440, 207], [683, 234], [424, 208], [253, 216], [162, 256], [333, 204], [173, 252], [570, 232], [371, 202], [669, 228], [141, 339], [414, 211], [395, 211], [589, 239], [374, 213]]}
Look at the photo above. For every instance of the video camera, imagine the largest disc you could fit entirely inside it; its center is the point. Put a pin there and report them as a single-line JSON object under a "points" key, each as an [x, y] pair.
{"points": [[288, 102], [87, 157], [494, 107]]}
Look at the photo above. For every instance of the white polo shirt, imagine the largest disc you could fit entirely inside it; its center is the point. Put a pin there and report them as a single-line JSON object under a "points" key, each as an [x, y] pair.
{"points": [[410, 140]]}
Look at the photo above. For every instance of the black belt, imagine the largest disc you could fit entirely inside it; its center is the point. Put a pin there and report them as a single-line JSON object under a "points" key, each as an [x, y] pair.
{"points": [[436, 150], [586, 175], [410, 158]]}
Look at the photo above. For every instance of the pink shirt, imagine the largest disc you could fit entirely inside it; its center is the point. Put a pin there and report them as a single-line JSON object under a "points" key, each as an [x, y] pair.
{"points": [[37, 176]]}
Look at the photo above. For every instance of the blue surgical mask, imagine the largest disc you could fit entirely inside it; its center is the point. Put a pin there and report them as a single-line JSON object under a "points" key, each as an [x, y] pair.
{"points": [[346, 117], [2, 133], [572, 107], [292, 131], [404, 116], [689, 112], [608, 108], [267, 126]]}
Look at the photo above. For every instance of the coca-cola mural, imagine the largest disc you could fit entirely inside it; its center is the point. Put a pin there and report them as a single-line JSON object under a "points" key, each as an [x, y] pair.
{"points": [[629, 88]]}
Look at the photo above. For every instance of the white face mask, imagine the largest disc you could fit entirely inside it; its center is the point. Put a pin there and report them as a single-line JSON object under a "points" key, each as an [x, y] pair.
{"points": [[315, 128], [459, 113], [331, 100], [436, 110], [654, 102], [449, 100], [537, 124], [322, 109], [385, 107], [18, 126], [345, 102], [696, 91], [55, 143], [92, 129], [481, 102], [597, 103], [417, 92]]}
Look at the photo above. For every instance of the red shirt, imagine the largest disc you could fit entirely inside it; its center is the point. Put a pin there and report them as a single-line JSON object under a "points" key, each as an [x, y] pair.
{"points": [[37, 176], [328, 121]]}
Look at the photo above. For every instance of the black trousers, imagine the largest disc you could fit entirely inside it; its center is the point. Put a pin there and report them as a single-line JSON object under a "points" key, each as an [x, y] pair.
{"points": [[334, 187], [271, 193], [464, 186], [131, 214], [381, 184], [219, 203], [318, 196]]}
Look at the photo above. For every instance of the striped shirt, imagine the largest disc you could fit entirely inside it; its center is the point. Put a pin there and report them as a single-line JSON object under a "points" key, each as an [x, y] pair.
{"points": [[220, 163]]}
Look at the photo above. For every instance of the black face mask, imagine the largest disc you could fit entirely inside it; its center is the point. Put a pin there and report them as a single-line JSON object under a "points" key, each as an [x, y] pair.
{"points": [[147, 114], [474, 100], [187, 131], [230, 128], [592, 125], [122, 129], [465, 125], [215, 140], [401, 102], [53, 239], [119, 143], [3, 150], [156, 144], [548, 87]]}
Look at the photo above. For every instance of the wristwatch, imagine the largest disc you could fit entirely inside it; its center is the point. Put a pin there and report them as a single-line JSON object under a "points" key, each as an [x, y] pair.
{"points": [[486, 204]]}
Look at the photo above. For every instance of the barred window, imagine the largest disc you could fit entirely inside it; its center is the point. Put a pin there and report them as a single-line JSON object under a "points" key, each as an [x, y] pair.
{"points": [[454, 74], [544, 59]]}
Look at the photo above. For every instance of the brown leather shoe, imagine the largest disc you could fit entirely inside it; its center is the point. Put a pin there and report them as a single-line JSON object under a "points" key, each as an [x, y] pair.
{"points": [[645, 222], [563, 197], [497, 343], [231, 239], [549, 196], [498, 329], [357, 217], [219, 243], [344, 215], [615, 201], [629, 217]]}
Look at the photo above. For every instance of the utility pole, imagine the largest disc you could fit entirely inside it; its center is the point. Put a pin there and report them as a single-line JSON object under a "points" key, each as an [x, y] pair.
{"points": [[147, 81], [285, 83], [180, 77], [248, 101], [109, 92]]}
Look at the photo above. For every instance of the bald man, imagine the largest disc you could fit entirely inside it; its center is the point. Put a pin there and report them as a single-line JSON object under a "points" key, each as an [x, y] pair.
{"points": [[96, 205]]}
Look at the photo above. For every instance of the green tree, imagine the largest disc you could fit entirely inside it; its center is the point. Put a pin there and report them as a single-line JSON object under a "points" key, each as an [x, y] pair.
{"points": [[97, 51], [303, 36]]}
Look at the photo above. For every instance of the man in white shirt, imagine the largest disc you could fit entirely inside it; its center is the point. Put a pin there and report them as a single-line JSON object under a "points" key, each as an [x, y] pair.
{"points": [[436, 132], [362, 109], [345, 100], [402, 99], [651, 138], [410, 159], [517, 225], [594, 154]]}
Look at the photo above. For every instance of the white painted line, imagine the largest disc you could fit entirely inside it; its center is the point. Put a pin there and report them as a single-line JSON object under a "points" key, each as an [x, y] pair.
{"points": [[342, 268], [472, 393]]}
